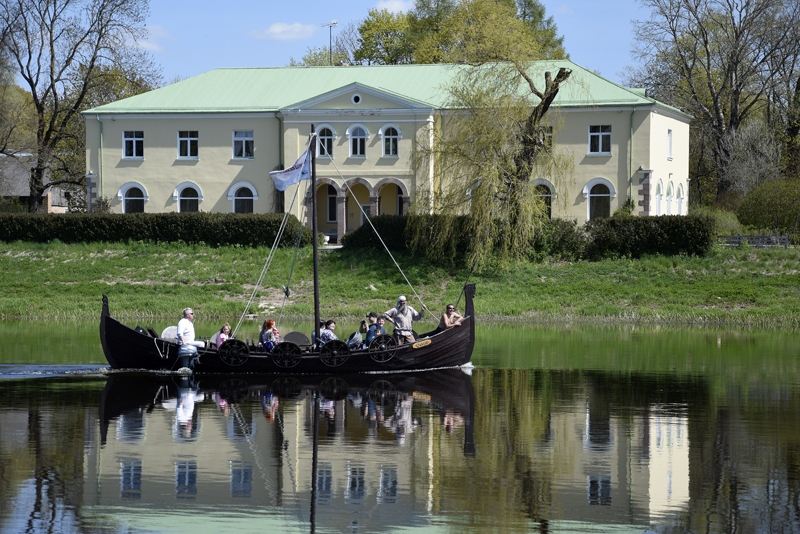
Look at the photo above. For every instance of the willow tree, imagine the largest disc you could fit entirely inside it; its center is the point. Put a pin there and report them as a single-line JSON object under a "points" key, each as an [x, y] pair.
{"points": [[492, 142]]}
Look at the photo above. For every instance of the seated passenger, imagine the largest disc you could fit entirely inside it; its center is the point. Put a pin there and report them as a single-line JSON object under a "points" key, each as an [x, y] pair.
{"points": [[269, 336], [450, 318], [327, 332], [363, 328], [375, 330], [223, 335]]}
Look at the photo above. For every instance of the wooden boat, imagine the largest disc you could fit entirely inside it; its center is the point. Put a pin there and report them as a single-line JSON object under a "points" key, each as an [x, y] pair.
{"points": [[140, 348]]}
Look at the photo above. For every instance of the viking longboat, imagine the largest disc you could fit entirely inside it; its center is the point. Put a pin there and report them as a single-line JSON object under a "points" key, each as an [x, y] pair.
{"points": [[143, 349]]}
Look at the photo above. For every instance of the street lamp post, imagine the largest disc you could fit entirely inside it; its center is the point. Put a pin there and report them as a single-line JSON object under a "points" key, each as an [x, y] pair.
{"points": [[330, 26]]}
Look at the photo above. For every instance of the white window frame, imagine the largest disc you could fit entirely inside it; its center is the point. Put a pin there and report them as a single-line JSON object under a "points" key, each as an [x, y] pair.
{"points": [[176, 194], [351, 139], [670, 191], [550, 187], [588, 188], [321, 153], [679, 199], [235, 187], [137, 144], [384, 137], [244, 140], [659, 195], [188, 140], [601, 134], [669, 145], [365, 208], [124, 190], [331, 215]]}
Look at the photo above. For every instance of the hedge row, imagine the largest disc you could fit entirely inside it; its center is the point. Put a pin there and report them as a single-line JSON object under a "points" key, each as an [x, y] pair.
{"points": [[634, 237], [213, 229], [631, 237], [773, 205]]}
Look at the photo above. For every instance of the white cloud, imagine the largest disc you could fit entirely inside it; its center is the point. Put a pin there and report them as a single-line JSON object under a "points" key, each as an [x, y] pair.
{"points": [[281, 31], [155, 35], [395, 6]]}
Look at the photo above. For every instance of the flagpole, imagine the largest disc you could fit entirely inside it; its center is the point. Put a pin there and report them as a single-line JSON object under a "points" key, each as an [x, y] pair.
{"points": [[314, 238]]}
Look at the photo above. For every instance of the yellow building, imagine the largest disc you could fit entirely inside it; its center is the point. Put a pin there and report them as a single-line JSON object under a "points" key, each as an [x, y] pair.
{"points": [[208, 143]]}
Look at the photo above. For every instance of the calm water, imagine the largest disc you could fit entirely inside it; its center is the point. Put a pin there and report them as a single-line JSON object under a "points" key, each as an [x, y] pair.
{"points": [[562, 429]]}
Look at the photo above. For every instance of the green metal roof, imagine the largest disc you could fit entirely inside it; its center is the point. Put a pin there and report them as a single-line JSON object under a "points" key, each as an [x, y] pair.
{"points": [[256, 90]]}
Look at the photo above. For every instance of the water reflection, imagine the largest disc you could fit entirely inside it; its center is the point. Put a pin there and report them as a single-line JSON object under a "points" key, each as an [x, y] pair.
{"points": [[510, 450]]}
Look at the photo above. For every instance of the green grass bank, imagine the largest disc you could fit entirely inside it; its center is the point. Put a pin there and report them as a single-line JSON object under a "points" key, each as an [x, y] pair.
{"points": [[729, 287]]}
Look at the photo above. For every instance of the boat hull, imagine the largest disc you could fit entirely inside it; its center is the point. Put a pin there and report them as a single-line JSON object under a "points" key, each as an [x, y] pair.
{"points": [[134, 348]]}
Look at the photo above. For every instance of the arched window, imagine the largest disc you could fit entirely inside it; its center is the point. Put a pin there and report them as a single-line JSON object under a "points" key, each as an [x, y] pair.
{"points": [[189, 200], [391, 138], [134, 201], [680, 200], [132, 195], [599, 202], [331, 204], [325, 146], [543, 192], [669, 198], [358, 141], [659, 194], [242, 196], [243, 201]]}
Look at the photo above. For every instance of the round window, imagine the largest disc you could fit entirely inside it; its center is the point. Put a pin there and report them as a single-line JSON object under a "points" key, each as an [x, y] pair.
{"points": [[356, 99]]}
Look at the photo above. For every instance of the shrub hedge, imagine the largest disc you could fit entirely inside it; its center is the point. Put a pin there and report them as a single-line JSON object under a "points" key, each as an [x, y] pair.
{"points": [[773, 205], [391, 228], [634, 237], [213, 229], [631, 237]]}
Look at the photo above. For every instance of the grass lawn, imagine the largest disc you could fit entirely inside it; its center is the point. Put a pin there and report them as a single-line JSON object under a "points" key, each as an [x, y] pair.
{"points": [[737, 287]]}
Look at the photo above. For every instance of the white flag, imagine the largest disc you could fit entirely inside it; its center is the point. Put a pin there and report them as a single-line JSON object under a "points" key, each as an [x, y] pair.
{"points": [[301, 170]]}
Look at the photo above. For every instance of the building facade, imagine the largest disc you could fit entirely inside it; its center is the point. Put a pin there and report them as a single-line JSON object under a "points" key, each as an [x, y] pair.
{"points": [[209, 142]]}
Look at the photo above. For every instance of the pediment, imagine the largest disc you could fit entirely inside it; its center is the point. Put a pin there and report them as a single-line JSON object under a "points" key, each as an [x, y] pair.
{"points": [[356, 97]]}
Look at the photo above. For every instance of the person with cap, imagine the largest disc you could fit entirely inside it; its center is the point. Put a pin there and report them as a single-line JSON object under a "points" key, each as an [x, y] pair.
{"points": [[402, 316], [187, 351], [365, 325]]}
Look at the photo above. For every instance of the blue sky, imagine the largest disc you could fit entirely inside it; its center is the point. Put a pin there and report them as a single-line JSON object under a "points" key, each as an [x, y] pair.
{"points": [[189, 37]]}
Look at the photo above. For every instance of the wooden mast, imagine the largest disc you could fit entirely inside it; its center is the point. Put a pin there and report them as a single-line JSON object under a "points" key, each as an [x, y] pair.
{"points": [[314, 240]]}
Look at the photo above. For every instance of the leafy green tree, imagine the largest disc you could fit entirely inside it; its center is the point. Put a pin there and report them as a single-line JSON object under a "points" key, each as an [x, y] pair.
{"points": [[718, 60], [485, 154], [57, 48], [384, 38]]}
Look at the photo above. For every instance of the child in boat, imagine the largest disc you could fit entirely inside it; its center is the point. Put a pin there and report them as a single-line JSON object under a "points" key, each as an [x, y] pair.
{"points": [[223, 335], [269, 336]]}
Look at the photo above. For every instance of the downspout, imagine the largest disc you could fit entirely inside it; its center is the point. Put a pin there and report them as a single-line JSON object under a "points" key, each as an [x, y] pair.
{"points": [[431, 187], [630, 160], [100, 159]]}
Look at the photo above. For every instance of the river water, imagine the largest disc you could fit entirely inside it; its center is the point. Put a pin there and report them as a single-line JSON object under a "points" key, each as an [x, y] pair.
{"points": [[556, 429]]}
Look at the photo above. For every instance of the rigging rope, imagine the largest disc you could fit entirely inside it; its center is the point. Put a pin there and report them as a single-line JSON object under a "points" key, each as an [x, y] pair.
{"points": [[366, 217], [267, 264]]}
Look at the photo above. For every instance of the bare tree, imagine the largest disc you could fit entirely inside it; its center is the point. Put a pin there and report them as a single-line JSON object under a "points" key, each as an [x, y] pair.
{"points": [[755, 156], [57, 48], [724, 55]]}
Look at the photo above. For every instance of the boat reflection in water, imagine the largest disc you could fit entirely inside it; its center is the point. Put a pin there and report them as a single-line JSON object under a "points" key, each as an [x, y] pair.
{"points": [[328, 451]]}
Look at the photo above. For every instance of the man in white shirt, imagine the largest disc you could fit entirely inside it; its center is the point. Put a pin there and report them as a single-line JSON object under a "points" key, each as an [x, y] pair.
{"points": [[188, 346]]}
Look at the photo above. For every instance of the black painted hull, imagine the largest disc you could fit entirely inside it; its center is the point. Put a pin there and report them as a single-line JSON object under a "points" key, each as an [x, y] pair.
{"points": [[129, 348]]}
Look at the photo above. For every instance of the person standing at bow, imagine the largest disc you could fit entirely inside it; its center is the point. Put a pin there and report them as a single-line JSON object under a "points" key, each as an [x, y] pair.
{"points": [[402, 316], [187, 350]]}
